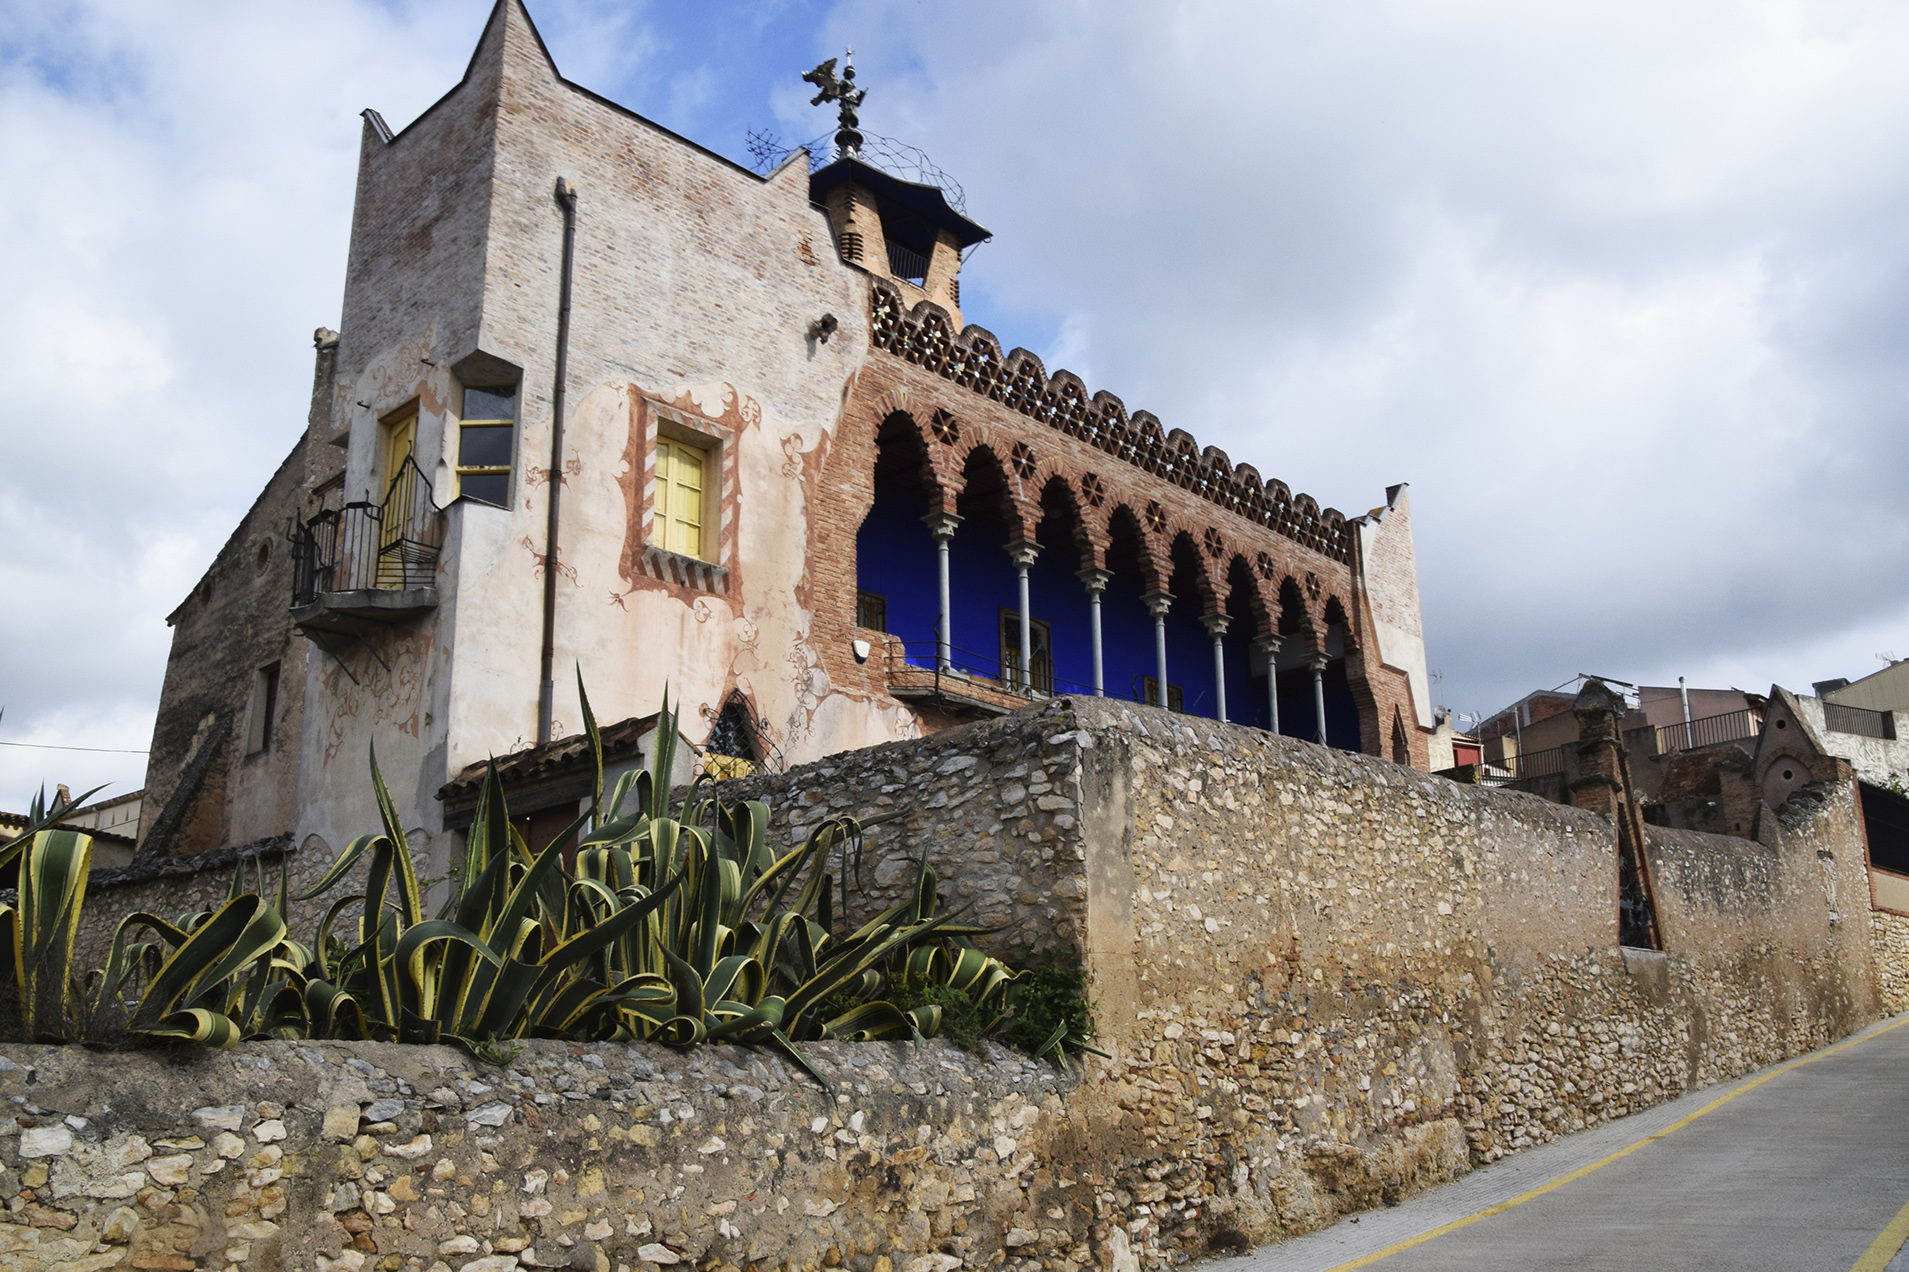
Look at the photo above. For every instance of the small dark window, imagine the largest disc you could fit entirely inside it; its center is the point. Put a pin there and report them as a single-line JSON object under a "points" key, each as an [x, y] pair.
{"points": [[871, 611], [1150, 694], [264, 709], [1782, 724], [1787, 775]]}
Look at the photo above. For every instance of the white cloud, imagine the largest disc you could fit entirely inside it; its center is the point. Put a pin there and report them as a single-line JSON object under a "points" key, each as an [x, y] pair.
{"points": [[1620, 288]]}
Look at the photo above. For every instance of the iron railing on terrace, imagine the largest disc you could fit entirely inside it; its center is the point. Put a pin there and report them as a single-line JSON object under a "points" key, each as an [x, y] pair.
{"points": [[907, 264], [989, 672], [1525, 767], [389, 546], [1860, 721], [1694, 735]]}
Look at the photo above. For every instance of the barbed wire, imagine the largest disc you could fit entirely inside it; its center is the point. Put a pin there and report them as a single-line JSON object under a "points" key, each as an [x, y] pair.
{"points": [[897, 158]]}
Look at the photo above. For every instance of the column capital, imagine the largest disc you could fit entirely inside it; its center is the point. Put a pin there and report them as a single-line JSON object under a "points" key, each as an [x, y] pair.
{"points": [[1158, 603], [1216, 624], [941, 525], [1022, 552], [1318, 662], [1095, 579], [1269, 645]]}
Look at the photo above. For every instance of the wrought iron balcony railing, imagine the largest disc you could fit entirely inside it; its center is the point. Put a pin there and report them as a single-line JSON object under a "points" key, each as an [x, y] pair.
{"points": [[390, 546], [1694, 735]]}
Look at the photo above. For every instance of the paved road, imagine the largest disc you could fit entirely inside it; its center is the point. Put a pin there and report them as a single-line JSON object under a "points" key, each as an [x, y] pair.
{"points": [[1798, 1167]]}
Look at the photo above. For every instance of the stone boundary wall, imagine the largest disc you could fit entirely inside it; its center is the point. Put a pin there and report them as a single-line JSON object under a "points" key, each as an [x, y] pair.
{"points": [[173, 886], [1889, 938], [345, 1157], [995, 806], [1326, 981]]}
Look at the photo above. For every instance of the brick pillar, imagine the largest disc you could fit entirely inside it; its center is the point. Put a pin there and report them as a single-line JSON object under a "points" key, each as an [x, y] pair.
{"points": [[1603, 785], [1598, 785]]}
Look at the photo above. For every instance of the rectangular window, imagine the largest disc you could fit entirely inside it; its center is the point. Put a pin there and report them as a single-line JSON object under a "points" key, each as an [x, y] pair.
{"points": [[485, 440], [680, 503], [871, 611], [1150, 694], [1040, 645], [264, 712]]}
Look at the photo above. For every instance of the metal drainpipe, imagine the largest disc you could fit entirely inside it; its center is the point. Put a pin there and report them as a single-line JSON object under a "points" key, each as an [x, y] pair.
{"points": [[547, 689]]}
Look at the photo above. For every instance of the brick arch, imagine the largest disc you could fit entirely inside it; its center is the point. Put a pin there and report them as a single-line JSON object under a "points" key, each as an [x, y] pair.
{"points": [[1184, 549], [982, 463], [1122, 518], [1244, 581], [1294, 615], [1057, 494], [1332, 611], [898, 425]]}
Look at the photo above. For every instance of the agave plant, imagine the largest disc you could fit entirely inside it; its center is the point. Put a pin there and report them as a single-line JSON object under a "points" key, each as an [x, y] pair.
{"points": [[637, 923], [37, 933]]}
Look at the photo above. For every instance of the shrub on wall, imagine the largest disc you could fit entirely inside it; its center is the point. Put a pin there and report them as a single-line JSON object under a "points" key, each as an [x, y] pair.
{"points": [[640, 922]]}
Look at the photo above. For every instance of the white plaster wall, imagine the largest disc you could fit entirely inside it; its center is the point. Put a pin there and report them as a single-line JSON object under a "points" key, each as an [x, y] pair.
{"points": [[1876, 760], [1391, 586]]}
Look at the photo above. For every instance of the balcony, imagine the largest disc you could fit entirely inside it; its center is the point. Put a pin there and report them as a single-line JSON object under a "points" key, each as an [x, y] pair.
{"points": [[367, 566]]}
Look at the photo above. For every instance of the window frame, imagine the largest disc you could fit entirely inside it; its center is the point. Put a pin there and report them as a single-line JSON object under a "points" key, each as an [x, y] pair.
{"points": [[668, 488], [459, 469], [716, 439]]}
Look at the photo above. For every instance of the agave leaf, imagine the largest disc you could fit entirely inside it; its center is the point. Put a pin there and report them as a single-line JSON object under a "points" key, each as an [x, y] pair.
{"points": [[239, 931], [871, 1022], [46, 920], [196, 1024]]}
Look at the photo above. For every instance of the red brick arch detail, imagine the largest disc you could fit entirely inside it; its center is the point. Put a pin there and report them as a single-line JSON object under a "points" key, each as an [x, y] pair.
{"points": [[1212, 596], [1239, 568], [1154, 566], [1021, 514], [1093, 547], [1312, 631], [941, 485]]}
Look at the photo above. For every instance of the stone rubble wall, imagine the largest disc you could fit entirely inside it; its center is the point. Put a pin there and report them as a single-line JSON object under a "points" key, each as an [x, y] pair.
{"points": [[993, 806], [343, 1157], [1326, 981], [1889, 938]]}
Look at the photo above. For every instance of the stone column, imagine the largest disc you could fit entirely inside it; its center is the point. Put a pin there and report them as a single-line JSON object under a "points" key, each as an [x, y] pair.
{"points": [[1022, 552], [1318, 665], [1216, 625], [1157, 605], [942, 526], [1270, 644], [1095, 580]]}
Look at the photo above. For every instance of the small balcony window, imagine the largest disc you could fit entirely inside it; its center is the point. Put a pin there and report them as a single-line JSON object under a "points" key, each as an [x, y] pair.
{"points": [[486, 440]]}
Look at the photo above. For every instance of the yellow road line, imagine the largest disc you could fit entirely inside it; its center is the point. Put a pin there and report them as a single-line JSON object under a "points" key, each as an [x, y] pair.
{"points": [[1602, 1162], [1884, 1247]]}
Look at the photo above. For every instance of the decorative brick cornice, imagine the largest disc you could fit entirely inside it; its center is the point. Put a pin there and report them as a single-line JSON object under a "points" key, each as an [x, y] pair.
{"points": [[925, 336]]}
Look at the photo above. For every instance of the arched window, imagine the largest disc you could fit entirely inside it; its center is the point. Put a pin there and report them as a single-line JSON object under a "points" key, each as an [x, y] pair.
{"points": [[732, 749]]}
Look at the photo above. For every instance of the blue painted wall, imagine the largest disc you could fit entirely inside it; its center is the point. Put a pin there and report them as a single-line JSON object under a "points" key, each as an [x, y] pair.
{"points": [[895, 557]]}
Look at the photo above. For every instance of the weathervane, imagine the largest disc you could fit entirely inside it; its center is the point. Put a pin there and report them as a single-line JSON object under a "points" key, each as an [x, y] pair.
{"points": [[848, 141]]}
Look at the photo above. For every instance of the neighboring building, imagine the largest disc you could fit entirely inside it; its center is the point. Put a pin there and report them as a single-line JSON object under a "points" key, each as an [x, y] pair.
{"points": [[1885, 690], [113, 824], [794, 488]]}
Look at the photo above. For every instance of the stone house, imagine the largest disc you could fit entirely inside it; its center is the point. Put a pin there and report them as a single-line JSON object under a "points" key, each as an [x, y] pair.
{"points": [[604, 400]]}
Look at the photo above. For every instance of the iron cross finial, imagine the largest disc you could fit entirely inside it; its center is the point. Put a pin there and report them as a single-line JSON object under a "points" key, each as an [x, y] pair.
{"points": [[848, 141]]}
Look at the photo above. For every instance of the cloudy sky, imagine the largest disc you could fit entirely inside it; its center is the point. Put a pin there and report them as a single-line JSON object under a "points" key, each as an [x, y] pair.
{"points": [[1621, 289]]}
